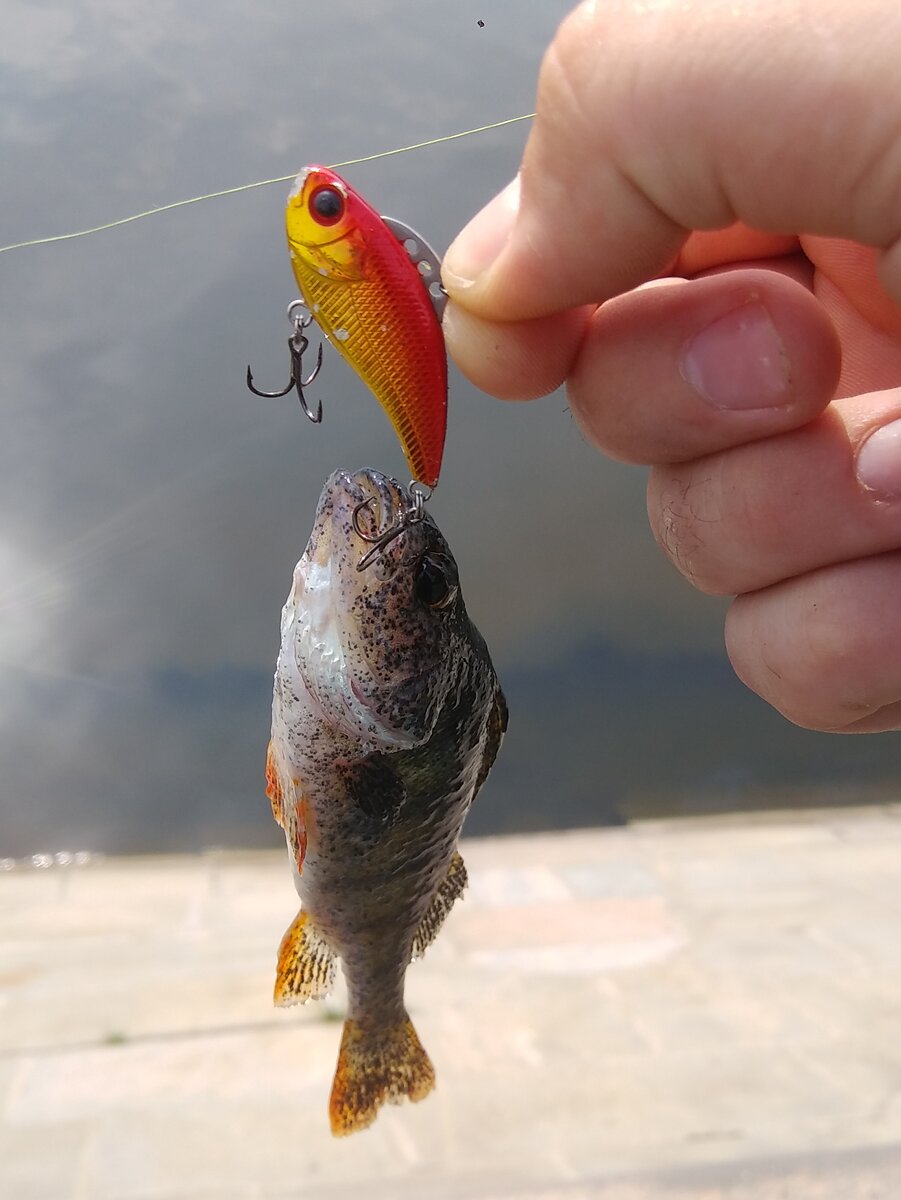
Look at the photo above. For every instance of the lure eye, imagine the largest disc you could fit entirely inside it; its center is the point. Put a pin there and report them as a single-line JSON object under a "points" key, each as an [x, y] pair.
{"points": [[431, 585], [327, 205]]}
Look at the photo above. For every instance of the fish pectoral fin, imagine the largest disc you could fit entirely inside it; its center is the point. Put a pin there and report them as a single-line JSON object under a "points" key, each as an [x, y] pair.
{"points": [[290, 807], [494, 735], [274, 788], [451, 888], [306, 964], [375, 1066]]}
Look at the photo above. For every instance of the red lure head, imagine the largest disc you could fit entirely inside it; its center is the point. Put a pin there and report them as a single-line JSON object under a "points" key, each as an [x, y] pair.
{"points": [[328, 225]]}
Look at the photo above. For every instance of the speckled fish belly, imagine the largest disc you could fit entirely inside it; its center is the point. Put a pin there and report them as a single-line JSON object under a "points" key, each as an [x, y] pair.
{"points": [[386, 718], [367, 295]]}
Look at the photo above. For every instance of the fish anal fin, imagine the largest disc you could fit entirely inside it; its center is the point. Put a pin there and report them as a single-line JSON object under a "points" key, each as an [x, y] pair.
{"points": [[377, 1066], [306, 964], [451, 888]]}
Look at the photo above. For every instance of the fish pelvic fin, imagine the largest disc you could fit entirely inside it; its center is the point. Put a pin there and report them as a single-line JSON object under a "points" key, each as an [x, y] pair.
{"points": [[451, 888], [306, 964], [377, 1066]]}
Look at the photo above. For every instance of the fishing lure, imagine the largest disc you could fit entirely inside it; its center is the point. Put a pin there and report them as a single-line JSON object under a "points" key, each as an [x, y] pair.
{"points": [[373, 286]]}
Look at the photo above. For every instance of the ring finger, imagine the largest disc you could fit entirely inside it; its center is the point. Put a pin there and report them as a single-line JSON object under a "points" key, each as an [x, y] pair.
{"points": [[751, 516]]}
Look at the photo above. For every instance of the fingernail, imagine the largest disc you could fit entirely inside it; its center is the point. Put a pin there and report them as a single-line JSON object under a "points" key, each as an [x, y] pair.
{"points": [[474, 249], [738, 362], [879, 461]]}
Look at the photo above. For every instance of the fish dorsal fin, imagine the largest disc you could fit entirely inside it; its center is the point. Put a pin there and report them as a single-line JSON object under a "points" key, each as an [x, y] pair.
{"points": [[306, 964], [451, 888]]}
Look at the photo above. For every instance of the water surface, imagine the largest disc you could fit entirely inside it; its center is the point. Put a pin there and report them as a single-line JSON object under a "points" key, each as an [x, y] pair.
{"points": [[153, 510]]}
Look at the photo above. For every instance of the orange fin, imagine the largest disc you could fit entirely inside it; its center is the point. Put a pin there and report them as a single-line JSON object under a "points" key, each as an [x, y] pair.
{"points": [[292, 816], [306, 964], [274, 788], [453, 885], [375, 1066], [301, 809]]}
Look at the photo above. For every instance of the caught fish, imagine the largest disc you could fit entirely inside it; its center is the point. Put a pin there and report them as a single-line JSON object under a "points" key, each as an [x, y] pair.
{"points": [[386, 718], [360, 284]]}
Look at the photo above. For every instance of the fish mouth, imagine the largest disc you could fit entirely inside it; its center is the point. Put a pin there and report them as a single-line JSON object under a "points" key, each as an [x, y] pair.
{"points": [[367, 500], [352, 501]]}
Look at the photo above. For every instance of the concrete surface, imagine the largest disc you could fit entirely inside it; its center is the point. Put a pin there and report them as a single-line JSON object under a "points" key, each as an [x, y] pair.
{"points": [[704, 1009]]}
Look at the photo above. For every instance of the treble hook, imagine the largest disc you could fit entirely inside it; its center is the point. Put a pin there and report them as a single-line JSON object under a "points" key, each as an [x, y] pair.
{"points": [[297, 344], [409, 516]]}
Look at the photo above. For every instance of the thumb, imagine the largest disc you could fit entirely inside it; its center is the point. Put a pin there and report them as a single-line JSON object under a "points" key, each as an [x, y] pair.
{"points": [[654, 119]]}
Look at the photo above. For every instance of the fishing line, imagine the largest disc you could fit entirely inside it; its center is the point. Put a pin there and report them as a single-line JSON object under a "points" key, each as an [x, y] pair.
{"points": [[247, 187]]}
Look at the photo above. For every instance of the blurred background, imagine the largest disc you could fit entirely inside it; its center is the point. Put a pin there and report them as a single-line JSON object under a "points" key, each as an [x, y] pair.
{"points": [[153, 510]]}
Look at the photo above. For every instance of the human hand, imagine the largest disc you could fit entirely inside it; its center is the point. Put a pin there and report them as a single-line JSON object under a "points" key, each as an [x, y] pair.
{"points": [[728, 147]]}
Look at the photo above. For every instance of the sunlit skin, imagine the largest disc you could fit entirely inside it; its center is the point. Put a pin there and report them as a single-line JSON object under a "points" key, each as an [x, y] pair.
{"points": [[368, 297], [744, 186]]}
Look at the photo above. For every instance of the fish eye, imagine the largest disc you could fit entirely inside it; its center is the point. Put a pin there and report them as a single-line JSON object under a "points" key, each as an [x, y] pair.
{"points": [[431, 585], [327, 205]]}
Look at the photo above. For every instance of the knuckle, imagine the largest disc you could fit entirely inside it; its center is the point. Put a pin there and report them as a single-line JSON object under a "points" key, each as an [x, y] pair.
{"points": [[684, 512]]}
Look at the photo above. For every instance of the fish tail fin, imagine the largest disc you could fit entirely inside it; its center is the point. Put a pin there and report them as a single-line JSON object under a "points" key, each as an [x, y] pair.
{"points": [[306, 964], [376, 1065]]}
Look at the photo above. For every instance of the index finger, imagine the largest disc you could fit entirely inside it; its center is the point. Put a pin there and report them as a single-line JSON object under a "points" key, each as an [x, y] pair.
{"points": [[657, 119]]}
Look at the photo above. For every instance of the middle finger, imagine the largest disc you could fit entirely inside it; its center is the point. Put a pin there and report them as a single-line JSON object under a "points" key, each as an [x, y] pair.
{"points": [[678, 369]]}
